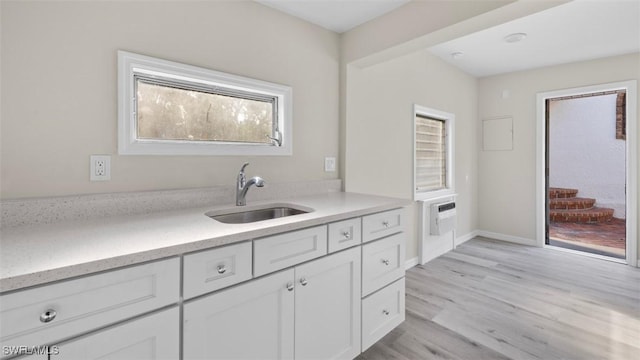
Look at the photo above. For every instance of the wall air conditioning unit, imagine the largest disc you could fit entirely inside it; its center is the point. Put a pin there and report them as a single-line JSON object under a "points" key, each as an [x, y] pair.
{"points": [[443, 218]]}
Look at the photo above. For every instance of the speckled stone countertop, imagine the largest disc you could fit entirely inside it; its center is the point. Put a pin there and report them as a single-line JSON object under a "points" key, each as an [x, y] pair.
{"points": [[36, 254]]}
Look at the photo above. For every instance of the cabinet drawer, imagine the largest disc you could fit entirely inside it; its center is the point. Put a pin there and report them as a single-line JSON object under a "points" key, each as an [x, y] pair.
{"points": [[86, 303], [382, 262], [280, 251], [382, 224], [217, 268], [151, 337], [381, 312], [345, 234]]}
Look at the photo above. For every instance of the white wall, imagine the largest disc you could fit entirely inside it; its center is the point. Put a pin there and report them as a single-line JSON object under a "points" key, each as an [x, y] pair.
{"points": [[507, 179], [379, 130], [58, 83], [584, 153]]}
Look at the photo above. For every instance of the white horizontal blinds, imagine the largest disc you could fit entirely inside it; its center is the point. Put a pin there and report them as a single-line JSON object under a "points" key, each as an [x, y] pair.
{"points": [[431, 156]]}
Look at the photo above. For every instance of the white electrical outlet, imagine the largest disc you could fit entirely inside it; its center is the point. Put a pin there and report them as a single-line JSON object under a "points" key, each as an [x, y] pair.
{"points": [[329, 164], [100, 167]]}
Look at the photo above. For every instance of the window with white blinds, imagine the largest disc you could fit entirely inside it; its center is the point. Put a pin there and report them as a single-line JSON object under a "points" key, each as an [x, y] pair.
{"points": [[431, 154]]}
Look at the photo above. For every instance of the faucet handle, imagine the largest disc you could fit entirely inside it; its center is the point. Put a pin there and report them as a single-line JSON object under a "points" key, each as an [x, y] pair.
{"points": [[244, 166]]}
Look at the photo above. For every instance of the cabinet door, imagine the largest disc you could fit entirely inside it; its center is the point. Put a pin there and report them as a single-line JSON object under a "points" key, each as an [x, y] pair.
{"points": [[250, 321], [152, 337], [327, 307]]}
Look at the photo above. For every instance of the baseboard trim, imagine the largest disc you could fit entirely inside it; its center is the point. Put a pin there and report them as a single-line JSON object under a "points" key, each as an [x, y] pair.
{"points": [[409, 263], [464, 238], [508, 238]]}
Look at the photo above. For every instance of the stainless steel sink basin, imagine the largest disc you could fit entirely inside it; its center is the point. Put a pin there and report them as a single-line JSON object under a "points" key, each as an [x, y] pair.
{"points": [[249, 215]]}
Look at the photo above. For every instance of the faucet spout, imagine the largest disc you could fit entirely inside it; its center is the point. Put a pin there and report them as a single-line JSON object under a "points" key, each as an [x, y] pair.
{"points": [[242, 185], [257, 180]]}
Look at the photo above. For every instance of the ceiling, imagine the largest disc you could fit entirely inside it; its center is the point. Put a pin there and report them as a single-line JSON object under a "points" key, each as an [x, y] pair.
{"points": [[335, 15], [577, 31]]}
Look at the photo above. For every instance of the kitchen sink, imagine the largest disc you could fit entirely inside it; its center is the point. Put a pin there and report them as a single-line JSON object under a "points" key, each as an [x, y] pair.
{"points": [[250, 215]]}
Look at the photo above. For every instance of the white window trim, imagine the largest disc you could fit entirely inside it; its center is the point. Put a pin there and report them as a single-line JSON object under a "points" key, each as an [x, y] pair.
{"points": [[130, 64], [449, 120]]}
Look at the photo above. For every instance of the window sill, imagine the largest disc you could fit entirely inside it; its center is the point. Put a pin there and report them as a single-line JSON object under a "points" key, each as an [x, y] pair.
{"points": [[435, 195], [193, 148]]}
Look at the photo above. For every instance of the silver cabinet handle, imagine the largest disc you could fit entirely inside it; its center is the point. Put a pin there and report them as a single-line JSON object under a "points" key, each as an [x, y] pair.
{"points": [[290, 286], [303, 282], [346, 235], [222, 269], [385, 311], [385, 223], [385, 261], [48, 316]]}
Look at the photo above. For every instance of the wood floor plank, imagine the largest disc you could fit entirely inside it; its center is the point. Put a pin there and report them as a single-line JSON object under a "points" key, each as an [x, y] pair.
{"points": [[494, 300]]}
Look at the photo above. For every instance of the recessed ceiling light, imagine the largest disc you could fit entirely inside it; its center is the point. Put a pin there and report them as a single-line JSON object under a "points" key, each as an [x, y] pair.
{"points": [[456, 55], [515, 37]]}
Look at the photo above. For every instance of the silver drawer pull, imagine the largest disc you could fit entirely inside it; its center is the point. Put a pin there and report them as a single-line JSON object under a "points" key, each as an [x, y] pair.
{"points": [[222, 269], [346, 235], [290, 286], [48, 316], [385, 223], [385, 261], [385, 311], [303, 282]]}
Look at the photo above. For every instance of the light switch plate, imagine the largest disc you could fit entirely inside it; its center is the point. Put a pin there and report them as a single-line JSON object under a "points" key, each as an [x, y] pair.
{"points": [[329, 164]]}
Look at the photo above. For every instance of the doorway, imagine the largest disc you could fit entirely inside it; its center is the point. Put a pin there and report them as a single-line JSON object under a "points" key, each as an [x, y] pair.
{"points": [[585, 147], [577, 206]]}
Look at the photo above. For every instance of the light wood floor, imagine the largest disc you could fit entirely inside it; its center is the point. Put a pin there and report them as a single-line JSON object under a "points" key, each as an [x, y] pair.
{"points": [[495, 300]]}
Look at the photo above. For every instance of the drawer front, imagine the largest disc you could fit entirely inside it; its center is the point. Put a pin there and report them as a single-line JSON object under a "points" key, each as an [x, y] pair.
{"points": [[217, 268], [284, 250], [382, 224], [86, 303], [382, 262], [345, 234], [381, 312]]}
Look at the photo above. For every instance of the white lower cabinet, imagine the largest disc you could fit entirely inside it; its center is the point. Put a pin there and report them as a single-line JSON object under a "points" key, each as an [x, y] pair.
{"points": [[317, 306], [250, 321], [327, 310], [151, 337], [311, 311], [51, 313]]}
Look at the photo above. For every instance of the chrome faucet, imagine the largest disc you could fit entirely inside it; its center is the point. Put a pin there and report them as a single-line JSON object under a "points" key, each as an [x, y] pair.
{"points": [[242, 185]]}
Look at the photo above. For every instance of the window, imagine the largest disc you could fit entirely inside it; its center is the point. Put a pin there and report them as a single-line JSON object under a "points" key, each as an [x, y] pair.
{"points": [[168, 108], [433, 153]]}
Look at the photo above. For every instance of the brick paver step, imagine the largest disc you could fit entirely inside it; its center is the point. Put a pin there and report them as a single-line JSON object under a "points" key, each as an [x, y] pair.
{"points": [[593, 215], [556, 193], [574, 203]]}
